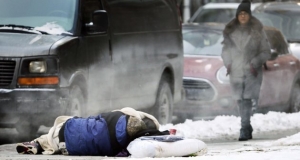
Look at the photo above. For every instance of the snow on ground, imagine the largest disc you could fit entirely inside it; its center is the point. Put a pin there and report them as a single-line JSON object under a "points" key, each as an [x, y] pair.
{"points": [[288, 141], [228, 127]]}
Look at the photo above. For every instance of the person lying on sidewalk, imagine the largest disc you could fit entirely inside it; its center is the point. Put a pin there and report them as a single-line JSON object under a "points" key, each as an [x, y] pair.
{"points": [[107, 134]]}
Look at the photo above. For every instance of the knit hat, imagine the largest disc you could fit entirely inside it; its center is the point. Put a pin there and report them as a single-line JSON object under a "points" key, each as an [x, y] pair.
{"points": [[244, 6], [134, 125]]}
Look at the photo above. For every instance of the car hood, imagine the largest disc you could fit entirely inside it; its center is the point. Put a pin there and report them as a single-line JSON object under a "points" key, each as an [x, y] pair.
{"points": [[19, 45], [202, 66]]}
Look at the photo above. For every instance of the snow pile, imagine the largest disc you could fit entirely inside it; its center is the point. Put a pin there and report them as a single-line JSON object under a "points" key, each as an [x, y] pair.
{"points": [[275, 121], [288, 141], [228, 127], [52, 28]]}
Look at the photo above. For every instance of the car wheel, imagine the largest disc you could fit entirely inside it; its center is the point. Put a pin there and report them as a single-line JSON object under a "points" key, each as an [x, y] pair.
{"points": [[77, 103], [163, 109], [295, 98]]}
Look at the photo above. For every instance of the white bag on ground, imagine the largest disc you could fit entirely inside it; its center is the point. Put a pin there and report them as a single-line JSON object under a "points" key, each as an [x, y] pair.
{"points": [[152, 148]]}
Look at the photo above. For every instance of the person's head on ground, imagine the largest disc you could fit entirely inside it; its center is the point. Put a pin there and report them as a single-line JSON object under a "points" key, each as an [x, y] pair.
{"points": [[149, 123], [135, 125], [243, 12]]}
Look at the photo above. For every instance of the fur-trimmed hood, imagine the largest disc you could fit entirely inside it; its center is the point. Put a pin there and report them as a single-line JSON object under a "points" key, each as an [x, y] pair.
{"points": [[255, 24]]}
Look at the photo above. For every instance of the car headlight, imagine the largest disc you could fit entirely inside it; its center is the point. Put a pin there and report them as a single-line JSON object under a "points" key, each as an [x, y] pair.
{"points": [[37, 67], [39, 72], [221, 75]]}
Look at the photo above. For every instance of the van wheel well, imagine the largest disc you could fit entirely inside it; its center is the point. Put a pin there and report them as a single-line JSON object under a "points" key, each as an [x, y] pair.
{"points": [[81, 82], [163, 108], [169, 77], [78, 98]]}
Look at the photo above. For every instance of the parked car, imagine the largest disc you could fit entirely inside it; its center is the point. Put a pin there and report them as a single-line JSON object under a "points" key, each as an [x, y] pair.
{"points": [[207, 89], [217, 12], [83, 57], [284, 16]]}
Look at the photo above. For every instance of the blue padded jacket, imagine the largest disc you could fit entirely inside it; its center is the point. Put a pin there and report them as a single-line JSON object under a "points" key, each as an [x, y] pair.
{"points": [[102, 135]]}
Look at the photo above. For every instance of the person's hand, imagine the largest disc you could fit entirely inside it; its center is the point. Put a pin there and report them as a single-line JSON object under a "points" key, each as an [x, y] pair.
{"points": [[228, 70], [253, 70]]}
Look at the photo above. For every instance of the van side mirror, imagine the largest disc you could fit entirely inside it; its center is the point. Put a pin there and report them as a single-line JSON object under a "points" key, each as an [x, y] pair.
{"points": [[99, 24], [274, 54]]}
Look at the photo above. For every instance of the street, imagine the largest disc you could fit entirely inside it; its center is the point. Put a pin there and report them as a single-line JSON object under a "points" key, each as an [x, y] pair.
{"points": [[8, 151], [220, 143]]}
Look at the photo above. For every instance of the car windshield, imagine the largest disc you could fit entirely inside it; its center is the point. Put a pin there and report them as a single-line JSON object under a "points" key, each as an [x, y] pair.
{"points": [[51, 16], [288, 22], [202, 42], [215, 15]]}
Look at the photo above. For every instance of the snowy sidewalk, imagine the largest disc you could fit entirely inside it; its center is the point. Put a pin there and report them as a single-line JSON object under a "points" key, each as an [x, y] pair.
{"points": [[227, 128]]}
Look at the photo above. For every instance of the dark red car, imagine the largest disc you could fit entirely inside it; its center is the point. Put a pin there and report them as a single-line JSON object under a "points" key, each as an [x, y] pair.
{"points": [[206, 86]]}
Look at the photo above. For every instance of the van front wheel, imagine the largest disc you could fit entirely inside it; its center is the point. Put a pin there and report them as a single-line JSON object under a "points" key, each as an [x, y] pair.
{"points": [[77, 103], [163, 109]]}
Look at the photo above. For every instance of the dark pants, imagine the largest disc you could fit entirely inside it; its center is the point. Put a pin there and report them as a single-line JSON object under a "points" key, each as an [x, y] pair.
{"points": [[245, 108]]}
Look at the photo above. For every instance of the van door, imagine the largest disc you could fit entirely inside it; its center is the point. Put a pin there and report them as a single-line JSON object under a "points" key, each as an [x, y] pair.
{"points": [[130, 41], [96, 48], [144, 37]]}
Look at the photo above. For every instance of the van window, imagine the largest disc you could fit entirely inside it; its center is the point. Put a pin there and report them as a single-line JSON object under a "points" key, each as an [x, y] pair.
{"points": [[39, 13], [134, 15], [163, 13]]}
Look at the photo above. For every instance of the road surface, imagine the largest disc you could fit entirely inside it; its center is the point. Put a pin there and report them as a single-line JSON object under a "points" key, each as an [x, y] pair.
{"points": [[215, 147]]}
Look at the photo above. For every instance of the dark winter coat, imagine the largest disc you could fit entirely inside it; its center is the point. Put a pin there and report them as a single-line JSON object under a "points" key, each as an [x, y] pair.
{"points": [[102, 135], [244, 52]]}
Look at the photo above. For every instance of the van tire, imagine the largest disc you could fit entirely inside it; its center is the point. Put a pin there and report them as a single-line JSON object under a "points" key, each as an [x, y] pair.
{"points": [[77, 102], [295, 98], [163, 109]]}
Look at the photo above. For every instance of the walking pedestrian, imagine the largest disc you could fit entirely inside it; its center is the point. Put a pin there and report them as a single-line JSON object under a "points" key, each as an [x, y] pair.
{"points": [[245, 50], [107, 134]]}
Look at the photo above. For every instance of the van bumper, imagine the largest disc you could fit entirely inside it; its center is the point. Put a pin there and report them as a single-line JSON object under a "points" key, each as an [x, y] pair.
{"points": [[40, 105]]}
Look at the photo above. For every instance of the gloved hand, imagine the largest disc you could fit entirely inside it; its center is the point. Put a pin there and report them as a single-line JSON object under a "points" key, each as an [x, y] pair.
{"points": [[228, 69], [253, 70]]}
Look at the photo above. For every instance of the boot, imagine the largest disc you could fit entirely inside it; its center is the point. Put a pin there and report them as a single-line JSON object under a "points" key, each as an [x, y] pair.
{"points": [[244, 135], [245, 106], [248, 105], [250, 130]]}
